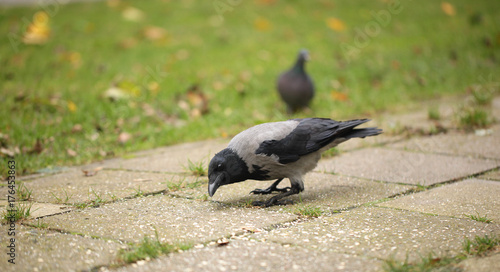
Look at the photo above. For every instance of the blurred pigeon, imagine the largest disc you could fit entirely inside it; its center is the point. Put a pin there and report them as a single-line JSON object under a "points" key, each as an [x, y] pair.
{"points": [[295, 86], [278, 150]]}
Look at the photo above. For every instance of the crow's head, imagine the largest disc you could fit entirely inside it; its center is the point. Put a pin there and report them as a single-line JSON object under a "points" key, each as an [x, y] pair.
{"points": [[226, 167]]}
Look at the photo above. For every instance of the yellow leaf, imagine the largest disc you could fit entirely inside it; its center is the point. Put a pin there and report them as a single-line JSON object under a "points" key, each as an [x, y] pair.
{"points": [[335, 24], [262, 24], [338, 96], [448, 8], [38, 31], [71, 106]]}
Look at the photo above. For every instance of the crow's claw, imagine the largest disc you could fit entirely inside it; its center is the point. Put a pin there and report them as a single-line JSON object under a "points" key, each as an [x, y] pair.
{"points": [[269, 190]]}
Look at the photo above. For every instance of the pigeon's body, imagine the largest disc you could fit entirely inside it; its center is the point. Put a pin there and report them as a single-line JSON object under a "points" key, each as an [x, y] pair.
{"points": [[295, 86], [278, 150]]}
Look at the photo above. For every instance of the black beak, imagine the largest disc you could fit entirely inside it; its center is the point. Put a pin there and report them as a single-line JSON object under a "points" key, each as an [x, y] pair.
{"points": [[213, 186]]}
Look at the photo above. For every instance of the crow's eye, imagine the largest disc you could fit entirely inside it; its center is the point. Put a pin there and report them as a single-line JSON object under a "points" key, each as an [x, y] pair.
{"points": [[219, 167]]}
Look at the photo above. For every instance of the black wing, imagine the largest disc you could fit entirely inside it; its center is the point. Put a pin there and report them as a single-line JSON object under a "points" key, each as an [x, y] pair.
{"points": [[311, 135]]}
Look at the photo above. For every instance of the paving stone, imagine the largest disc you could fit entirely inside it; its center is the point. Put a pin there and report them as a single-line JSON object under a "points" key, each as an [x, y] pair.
{"points": [[257, 256], [404, 166], [487, 146], [74, 187], [176, 219], [46, 209], [329, 192], [493, 175], [44, 250], [174, 158], [468, 197], [381, 233], [485, 264], [417, 120]]}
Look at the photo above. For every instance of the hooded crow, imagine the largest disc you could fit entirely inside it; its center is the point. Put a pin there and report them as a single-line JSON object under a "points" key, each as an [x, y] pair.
{"points": [[295, 86], [278, 150]]}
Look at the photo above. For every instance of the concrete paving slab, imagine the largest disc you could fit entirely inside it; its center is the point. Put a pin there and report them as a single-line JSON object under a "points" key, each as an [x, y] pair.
{"points": [[380, 233], [175, 219], [46, 209], [461, 199], [109, 185], [485, 264], [493, 175], [257, 256], [404, 166], [417, 120], [329, 192], [486, 146], [45, 250], [175, 158]]}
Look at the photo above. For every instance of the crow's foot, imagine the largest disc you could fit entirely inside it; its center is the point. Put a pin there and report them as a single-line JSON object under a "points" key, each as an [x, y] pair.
{"points": [[270, 189], [276, 200]]}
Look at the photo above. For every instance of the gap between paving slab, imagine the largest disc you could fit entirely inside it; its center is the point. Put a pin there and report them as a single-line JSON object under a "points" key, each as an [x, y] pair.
{"points": [[175, 219], [108, 185], [241, 255], [404, 166], [381, 233], [471, 145], [45, 250], [461, 199]]}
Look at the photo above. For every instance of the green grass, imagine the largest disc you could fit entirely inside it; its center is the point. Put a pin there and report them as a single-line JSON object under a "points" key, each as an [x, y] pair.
{"points": [[21, 211], [307, 210], [24, 193], [474, 117], [198, 169], [478, 247], [149, 249], [57, 111], [479, 218], [64, 199], [433, 114]]}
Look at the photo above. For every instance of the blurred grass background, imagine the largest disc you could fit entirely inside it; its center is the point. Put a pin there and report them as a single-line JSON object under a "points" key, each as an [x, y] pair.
{"points": [[87, 81]]}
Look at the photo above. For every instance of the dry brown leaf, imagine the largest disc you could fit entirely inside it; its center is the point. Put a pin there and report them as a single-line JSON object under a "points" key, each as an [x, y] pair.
{"points": [[91, 172], [262, 24], [37, 148], [71, 152], [448, 8], [339, 96], [76, 128], [335, 24], [133, 14], [38, 31], [124, 137]]}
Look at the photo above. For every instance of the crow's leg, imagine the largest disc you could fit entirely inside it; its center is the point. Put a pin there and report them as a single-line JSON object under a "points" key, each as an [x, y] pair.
{"points": [[272, 188], [275, 200]]}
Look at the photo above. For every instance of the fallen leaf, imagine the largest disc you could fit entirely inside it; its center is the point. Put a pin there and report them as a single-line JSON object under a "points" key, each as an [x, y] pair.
{"points": [[154, 33], [448, 8], [71, 152], [38, 31], [335, 24], [222, 242], [37, 148], [133, 14], [339, 96], [8, 152], [71, 106], [262, 24], [91, 172], [115, 94], [124, 137], [76, 128]]}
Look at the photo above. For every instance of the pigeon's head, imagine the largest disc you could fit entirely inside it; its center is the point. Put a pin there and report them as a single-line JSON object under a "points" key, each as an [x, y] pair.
{"points": [[304, 55], [226, 167]]}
